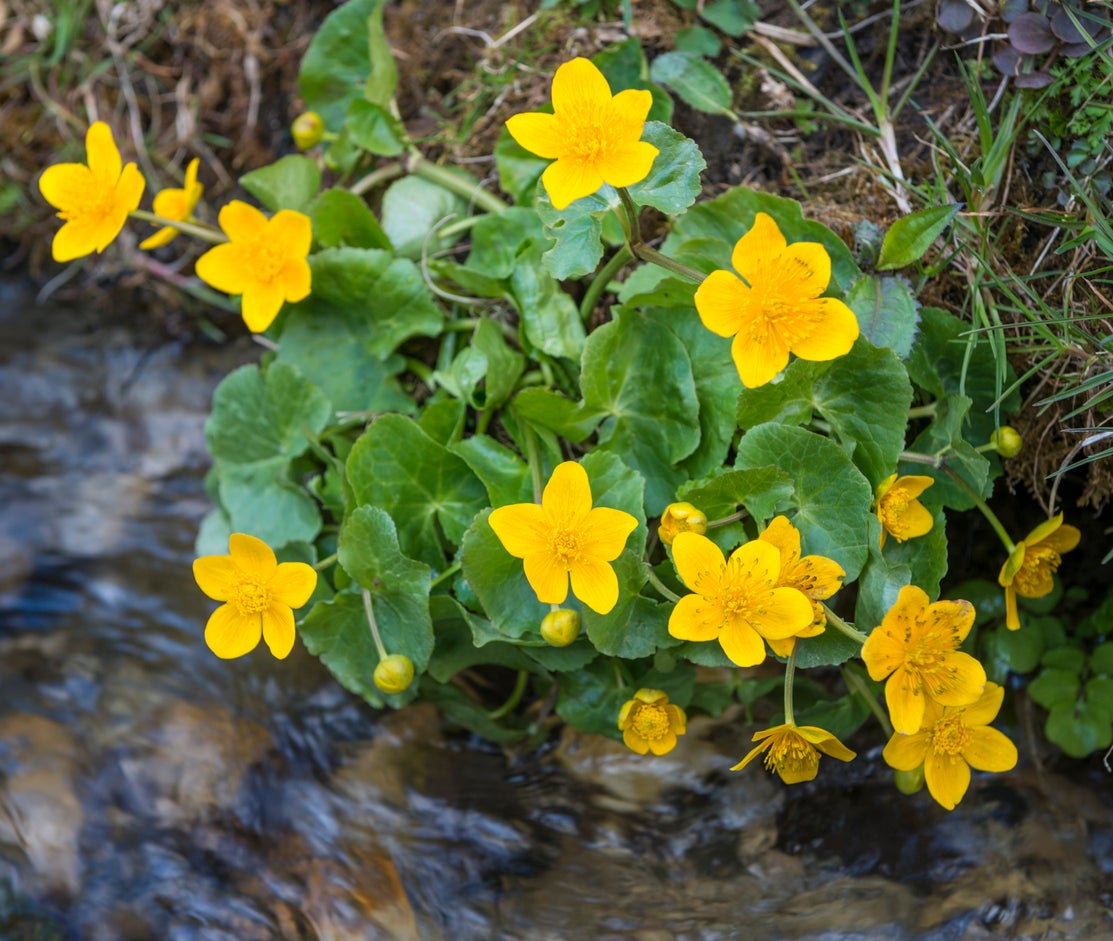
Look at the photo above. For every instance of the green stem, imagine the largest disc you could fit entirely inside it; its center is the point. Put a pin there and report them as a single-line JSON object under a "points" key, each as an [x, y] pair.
{"points": [[633, 217], [645, 253], [733, 518], [197, 230], [321, 564], [533, 458], [599, 283], [990, 516], [371, 623], [447, 573], [455, 182], [376, 178], [857, 685], [661, 587], [922, 411], [515, 697], [842, 627], [790, 676]]}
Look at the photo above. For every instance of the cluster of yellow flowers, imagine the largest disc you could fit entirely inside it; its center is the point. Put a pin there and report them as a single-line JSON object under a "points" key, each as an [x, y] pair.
{"points": [[263, 260]]}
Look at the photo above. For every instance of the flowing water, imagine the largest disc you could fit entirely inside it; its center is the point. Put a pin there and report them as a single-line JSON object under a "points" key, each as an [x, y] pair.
{"points": [[151, 791]]}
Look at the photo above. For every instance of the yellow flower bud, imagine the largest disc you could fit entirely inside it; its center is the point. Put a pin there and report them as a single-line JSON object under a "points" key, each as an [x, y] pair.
{"points": [[561, 627], [307, 129], [1007, 441], [394, 674], [680, 518]]}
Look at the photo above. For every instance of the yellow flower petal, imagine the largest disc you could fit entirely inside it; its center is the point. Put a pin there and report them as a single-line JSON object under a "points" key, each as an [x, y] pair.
{"points": [[990, 750], [163, 236], [522, 528], [261, 304], [1012, 615], [758, 359], [835, 332], [225, 268], [811, 266], [742, 645], [984, 710], [241, 221], [751, 755], [947, 777], [297, 279], [64, 183], [678, 722], [102, 154], [694, 619], [605, 531], [1063, 539], [699, 562], [569, 179], [664, 744], [292, 583], [595, 584], [547, 577], [567, 495], [634, 742], [964, 681], [216, 575], [627, 112], [905, 699], [720, 301], [754, 252], [292, 230], [787, 612], [579, 83], [906, 752], [278, 629], [539, 133], [254, 557], [230, 634], [628, 165], [74, 240]]}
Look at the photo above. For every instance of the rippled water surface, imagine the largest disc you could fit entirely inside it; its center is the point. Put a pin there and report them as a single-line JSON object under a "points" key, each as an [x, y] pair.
{"points": [[151, 791]]}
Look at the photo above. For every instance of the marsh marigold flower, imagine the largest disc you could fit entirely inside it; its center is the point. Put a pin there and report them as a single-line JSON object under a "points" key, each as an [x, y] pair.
{"points": [[259, 594], [263, 259], [94, 199], [737, 602], [593, 137], [903, 516], [565, 537], [649, 722], [953, 740], [916, 647], [793, 751], [680, 518], [774, 308], [1027, 571], [815, 576], [176, 204]]}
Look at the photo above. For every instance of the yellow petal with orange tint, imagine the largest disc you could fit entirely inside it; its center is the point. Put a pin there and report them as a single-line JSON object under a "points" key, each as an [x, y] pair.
{"points": [[230, 634], [292, 583], [721, 301]]}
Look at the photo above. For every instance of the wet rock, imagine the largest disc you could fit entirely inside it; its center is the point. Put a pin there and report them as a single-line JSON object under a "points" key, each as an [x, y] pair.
{"points": [[40, 806]]}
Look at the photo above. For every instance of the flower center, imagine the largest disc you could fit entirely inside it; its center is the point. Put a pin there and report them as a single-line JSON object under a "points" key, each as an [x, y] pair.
{"points": [[950, 735], [250, 596], [1030, 581], [90, 206], [264, 260], [783, 305], [651, 722], [927, 656], [590, 138], [792, 752], [566, 545]]}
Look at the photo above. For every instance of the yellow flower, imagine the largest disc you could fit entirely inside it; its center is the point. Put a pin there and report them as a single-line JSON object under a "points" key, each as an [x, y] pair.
{"points": [[259, 595], [792, 751], [93, 200], [816, 576], [776, 309], [901, 514], [593, 137], [680, 518], [916, 646], [394, 674], [264, 260], [1027, 571], [738, 602], [650, 723], [953, 740], [175, 204], [565, 536]]}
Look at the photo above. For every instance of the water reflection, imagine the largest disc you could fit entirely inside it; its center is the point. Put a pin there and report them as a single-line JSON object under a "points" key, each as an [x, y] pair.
{"points": [[151, 791]]}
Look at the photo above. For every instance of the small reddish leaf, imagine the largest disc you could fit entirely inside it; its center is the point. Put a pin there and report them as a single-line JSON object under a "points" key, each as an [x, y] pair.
{"points": [[1033, 80], [954, 15], [1031, 34], [1006, 60]]}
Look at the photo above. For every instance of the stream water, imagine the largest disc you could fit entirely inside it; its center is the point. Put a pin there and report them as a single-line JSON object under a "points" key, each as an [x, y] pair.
{"points": [[151, 791]]}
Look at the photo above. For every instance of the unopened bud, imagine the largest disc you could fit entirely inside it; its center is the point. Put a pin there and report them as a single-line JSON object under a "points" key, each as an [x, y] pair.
{"points": [[560, 627], [680, 518], [307, 130], [1007, 441], [909, 782], [394, 674]]}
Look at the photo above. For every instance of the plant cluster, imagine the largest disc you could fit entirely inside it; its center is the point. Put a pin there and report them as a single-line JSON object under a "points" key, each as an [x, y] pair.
{"points": [[621, 473]]}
